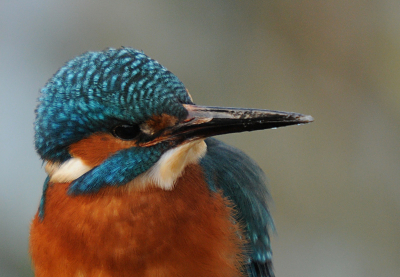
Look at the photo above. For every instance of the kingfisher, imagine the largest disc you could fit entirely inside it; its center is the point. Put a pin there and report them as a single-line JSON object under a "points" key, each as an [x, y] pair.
{"points": [[136, 186]]}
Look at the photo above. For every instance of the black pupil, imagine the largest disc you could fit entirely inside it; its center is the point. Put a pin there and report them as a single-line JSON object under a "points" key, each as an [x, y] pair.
{"points": [[126, 131]]}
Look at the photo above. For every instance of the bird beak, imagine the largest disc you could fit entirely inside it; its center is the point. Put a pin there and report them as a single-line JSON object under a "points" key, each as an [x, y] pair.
{"points": [[202, 122]]}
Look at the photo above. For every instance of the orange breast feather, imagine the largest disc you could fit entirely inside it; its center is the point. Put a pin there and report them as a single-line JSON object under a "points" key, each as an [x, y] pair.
{"points": [[187, 231]]}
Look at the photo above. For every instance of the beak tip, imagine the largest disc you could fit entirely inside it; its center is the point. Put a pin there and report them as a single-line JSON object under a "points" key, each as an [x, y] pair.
{"points": [[306, 119]]}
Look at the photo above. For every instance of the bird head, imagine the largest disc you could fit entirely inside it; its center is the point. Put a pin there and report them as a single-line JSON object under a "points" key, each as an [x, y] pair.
{"points": [[116, 117]]}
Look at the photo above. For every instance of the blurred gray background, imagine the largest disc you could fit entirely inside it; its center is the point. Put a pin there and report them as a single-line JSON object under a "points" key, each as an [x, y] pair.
{"points": [[335, 182]]}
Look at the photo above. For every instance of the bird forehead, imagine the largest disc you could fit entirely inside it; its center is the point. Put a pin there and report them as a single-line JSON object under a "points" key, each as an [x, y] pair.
{"points": [[125, 81]]}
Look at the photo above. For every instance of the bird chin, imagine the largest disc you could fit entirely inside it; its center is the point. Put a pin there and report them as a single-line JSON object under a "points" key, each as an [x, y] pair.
{"points": [[170, 166]]}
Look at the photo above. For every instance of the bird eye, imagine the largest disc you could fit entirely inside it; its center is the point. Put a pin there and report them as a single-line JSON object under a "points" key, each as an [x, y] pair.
{"points": [[126, 132]]}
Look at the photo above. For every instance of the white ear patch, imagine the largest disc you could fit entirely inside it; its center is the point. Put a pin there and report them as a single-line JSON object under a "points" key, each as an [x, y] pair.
{"points": [[162, 174], [66, 172]]}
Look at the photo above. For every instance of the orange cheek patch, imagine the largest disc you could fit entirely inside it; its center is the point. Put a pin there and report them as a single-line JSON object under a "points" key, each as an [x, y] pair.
{"points": [[98, 147]]}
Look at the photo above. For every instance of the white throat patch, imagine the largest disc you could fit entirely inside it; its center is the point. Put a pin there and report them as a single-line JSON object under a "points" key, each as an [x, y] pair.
{"points": [[162, 174], [171, 165]]}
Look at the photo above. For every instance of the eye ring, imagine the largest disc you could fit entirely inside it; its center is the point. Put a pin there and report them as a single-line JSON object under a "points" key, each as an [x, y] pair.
{"points": [[126, 131]]}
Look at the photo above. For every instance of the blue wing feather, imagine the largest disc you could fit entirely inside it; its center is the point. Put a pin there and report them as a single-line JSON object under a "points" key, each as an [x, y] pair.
{"points": [[244, 183]]}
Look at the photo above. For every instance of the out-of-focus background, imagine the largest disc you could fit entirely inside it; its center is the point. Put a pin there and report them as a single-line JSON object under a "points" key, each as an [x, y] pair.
{"points": [[335, 182]]}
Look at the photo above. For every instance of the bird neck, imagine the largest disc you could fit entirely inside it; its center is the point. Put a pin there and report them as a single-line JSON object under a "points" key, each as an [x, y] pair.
{"points": [[185, 231]]}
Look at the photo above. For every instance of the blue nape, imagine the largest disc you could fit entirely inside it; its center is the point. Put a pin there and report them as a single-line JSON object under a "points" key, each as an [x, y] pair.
{"points": [[242, 181]]}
